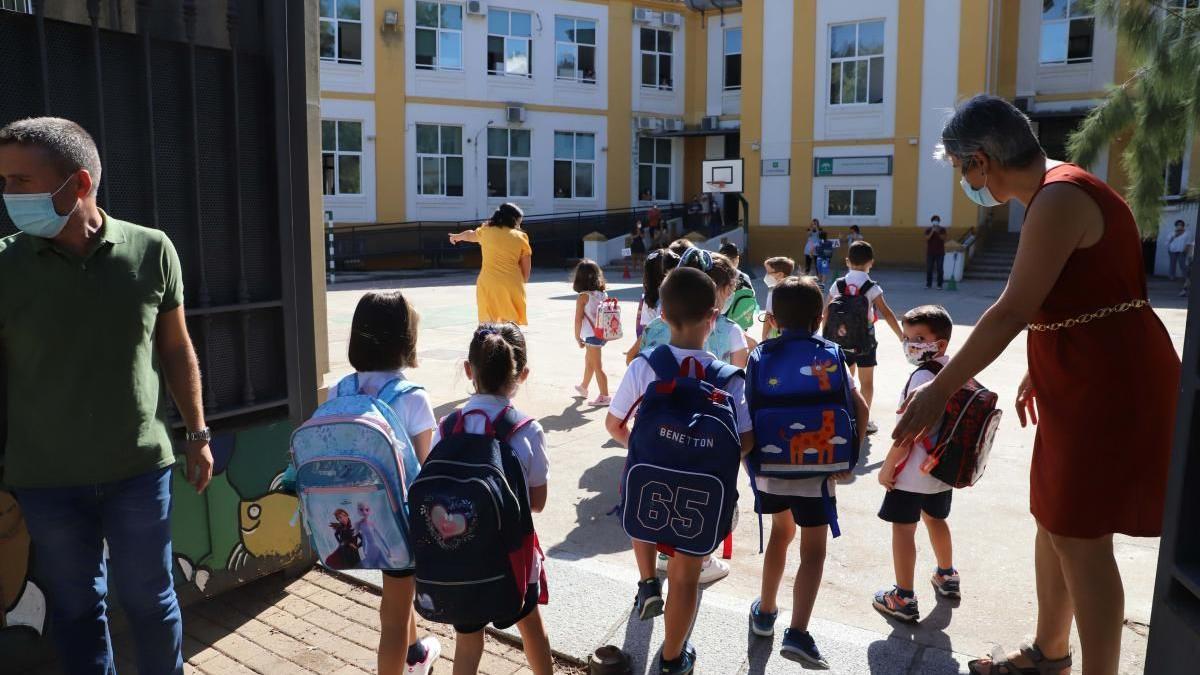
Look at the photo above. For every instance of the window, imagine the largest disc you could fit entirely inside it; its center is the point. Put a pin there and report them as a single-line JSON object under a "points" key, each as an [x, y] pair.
{"points": [[656, 58], [16, 6], [850, 202], [1174, 179], [574, 165], [508, 163], [341, 30], [654, 169], [1067, 30], [733, 59], [439, 160], [575, 49], [341, 157], [509, 47], [1182, 12], [439, 36], [856, 63]]}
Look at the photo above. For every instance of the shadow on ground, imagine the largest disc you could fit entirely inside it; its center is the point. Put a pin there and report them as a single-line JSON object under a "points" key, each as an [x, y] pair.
{"points": [[934, 655], [597, 528]]}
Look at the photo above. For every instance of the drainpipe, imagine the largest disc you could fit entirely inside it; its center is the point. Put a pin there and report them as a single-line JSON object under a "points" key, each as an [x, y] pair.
{"points": [[478, 214]]}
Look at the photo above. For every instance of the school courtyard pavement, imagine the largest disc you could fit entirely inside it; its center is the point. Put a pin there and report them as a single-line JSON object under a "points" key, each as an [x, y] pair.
{"points": [[591, 571]]}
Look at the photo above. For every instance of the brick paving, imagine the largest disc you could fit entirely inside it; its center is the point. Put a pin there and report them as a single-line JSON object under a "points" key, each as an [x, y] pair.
{"points": [[316, 624]]}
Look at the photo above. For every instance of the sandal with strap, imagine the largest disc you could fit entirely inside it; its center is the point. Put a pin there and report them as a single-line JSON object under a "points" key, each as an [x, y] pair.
{"points": [[1001, 665]]}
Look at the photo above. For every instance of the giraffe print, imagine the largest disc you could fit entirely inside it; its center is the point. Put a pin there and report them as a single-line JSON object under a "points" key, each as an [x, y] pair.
{"points": [[820, 440]]}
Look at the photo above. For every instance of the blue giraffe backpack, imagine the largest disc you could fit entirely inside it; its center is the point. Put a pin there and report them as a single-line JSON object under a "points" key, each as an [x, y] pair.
{"points": [[354, 462]]}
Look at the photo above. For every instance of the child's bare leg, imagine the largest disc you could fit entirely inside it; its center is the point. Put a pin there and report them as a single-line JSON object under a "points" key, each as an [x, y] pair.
{"points": [[468, 649], [866, 381], [683, 579], [587, 368], [397, 628], [536, 644], [598, 369], [808, 577], [939, 539], [904, 553], [645, 553], [783, 531]]}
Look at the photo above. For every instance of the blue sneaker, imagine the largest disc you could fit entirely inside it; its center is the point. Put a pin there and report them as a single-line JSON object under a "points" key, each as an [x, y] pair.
{"points": [[649, 600], [890, 603], [683, 665], [799, 646], [762, 623]]}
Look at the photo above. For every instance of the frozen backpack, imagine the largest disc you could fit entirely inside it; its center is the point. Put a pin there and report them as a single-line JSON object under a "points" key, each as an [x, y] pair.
{"points": [[607, 325], [719, 342], [800, 399], [679, 484], [965, 440], [354, 462], [471, 524], [849, 322], [742, 307]]}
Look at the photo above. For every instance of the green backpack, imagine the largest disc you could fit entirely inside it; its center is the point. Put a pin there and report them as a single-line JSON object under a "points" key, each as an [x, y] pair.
{"points": [[742, 308]]}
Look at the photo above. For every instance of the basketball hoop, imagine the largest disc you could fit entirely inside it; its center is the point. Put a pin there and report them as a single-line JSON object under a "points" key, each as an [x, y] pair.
{"points": [[719, 185]]}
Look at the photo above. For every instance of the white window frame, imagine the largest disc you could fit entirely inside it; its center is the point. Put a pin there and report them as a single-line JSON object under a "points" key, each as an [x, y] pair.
{"points": [[657, 60], [575, 45], [1067, 60], [19, 6], [654, 167], [510, 160], [725, 54], [851, 189], [337, 153], [575, 162], [439, 32], [508, 37], [841, 61], [440, 156], [337, 34]]}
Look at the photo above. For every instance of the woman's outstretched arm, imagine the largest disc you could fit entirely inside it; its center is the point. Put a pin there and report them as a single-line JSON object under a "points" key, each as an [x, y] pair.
{"points": [[469, 236]]}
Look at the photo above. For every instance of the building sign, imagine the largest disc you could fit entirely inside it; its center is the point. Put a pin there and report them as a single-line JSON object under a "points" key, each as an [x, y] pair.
{"points": [[852, 166], [777, 167]]}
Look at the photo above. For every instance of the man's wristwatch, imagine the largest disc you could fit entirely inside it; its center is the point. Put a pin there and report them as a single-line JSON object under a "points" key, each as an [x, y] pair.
{"points": [[204, 434]]}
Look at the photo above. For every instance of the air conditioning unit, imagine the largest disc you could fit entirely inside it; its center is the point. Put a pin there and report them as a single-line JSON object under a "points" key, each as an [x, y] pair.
{"points": [[647, 123], [673, 125], [642, 15], [710, 123], [672, 20], [476, 8], [514, 113]]}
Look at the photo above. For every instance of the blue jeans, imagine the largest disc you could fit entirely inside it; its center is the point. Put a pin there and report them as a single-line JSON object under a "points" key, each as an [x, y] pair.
{"points": [[69, 527]]}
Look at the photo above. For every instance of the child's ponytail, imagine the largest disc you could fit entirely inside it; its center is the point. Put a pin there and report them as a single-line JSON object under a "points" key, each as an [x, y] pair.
{"points": [[498, 356]]}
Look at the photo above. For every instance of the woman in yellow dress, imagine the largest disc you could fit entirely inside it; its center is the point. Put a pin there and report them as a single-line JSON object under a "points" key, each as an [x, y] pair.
{"points": [[507, 260]]}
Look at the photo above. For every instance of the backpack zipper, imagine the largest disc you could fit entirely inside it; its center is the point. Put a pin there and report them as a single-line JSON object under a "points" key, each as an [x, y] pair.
{"points": [[461, 583], [354, 458]]}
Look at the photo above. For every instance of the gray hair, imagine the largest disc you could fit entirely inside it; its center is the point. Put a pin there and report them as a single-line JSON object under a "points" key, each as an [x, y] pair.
{"points": [[69, 146], [992, 126]]}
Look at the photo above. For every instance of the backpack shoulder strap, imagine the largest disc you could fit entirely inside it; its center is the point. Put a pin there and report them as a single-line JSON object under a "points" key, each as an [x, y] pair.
{"points": [[719, 373], [508, 423], [929, 366], [348, 386], [842, 287], [862, 290], [396, 388], [446, 426], [662, 361]]}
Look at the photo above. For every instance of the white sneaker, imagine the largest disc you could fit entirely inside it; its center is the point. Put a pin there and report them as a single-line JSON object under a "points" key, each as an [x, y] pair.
{"points": [[872, 428], [433, 649], [714, 569]]}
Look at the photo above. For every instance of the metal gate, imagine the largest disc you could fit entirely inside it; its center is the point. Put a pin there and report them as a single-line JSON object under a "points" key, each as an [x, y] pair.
{"points": [[207, 143]]}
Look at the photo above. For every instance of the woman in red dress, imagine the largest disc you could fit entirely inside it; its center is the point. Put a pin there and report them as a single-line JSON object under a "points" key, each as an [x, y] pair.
{"points": [[1103, 441]]}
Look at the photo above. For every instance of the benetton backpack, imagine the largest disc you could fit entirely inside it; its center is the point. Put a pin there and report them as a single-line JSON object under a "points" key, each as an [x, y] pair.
{"points": [[472, 528], [798, 391], [679, 484], [849, 322], [742, 308], [607, 325], [965, 440], [354, 463]]}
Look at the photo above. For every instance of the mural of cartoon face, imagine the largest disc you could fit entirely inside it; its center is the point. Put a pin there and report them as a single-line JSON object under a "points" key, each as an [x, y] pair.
{"points": [[21, 601], [269, 525]]}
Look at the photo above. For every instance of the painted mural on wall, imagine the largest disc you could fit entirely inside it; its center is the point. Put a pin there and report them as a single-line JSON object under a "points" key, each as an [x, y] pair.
{"points": [[22, 604]]}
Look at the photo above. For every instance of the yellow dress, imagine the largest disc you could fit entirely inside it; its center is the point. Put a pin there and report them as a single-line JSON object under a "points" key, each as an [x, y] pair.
{"points": [[500, 289]]}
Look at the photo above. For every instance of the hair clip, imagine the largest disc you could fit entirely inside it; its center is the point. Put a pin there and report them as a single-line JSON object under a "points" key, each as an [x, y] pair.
{"points": [[652, 256], [484, 332], [705, 258]]}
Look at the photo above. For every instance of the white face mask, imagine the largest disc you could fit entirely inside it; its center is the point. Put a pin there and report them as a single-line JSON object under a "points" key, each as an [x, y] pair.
{"points": [[34, 214], [983, 196], [917, 353]]}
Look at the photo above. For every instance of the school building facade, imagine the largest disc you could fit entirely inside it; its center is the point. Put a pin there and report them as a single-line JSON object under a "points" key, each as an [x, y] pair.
{"points": [[443, 109]]}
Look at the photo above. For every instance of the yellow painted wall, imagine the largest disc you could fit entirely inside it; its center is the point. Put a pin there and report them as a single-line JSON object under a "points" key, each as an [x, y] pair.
{"points": [[906, 164], [972, 80], [620, 104], [1008, 32], [804, 27], [752, 91], [390, 116]]}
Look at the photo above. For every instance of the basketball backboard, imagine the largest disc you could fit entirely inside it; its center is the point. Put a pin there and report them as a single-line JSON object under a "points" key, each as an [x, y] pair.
{"points": [[721, 175]]}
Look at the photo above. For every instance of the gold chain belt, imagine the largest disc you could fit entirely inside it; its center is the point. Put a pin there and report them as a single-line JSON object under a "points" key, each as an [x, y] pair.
{"points": [[1090, 316]]}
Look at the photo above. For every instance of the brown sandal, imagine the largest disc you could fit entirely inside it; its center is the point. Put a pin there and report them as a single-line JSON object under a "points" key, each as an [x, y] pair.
{"points": [[1041, 665]]}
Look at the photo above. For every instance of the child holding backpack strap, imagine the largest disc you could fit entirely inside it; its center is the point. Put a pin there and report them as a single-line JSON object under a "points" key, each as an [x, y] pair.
{"points": [[466, 562], [383, 341], [707, 446], [802, 402], [855, 303], [590, 285], [913, 495]]}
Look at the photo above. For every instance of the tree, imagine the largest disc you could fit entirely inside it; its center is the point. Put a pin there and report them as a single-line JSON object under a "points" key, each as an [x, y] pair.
{"points": [[1156, 106]]}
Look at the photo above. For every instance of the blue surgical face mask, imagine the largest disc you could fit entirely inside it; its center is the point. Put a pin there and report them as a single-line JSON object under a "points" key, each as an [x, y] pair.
{"points": [[982, 196], [34, 214]]}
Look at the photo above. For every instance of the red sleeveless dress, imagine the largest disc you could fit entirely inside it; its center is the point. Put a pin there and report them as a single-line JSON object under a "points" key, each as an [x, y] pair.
{"points": [[1106, 390]]}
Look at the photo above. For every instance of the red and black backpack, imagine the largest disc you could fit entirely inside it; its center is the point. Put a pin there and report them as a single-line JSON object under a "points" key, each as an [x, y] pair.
{"points": [[968, 429]]}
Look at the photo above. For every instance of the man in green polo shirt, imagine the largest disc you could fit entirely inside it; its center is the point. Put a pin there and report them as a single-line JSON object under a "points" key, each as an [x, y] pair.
{"points": [[91, 325]]}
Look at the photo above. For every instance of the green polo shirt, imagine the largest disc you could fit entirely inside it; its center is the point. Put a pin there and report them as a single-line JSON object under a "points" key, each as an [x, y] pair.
{"points": [[86, 400]]}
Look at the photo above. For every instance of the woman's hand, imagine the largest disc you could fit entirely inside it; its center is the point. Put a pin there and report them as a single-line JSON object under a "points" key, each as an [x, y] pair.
{"points": [[1026, 401], [887, 475], [919, 413]]}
